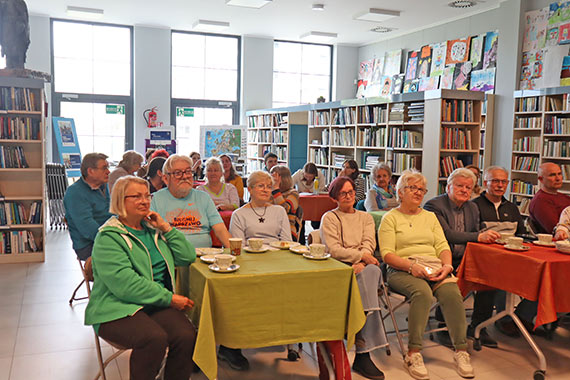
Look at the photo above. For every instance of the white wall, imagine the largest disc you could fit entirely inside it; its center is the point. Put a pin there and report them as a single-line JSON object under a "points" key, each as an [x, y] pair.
{"points": [[257, 74], [345, 72]]}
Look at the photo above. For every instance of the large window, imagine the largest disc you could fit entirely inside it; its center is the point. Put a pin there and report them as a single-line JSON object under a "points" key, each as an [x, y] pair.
{"points": [[301, 73], [92, 74], [206, 80]]}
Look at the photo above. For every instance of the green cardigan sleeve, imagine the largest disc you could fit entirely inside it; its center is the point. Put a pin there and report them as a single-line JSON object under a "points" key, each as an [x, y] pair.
{"points": [[182, 250]]}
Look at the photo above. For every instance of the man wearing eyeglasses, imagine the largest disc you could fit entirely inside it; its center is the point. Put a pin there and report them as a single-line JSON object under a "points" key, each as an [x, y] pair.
{"points": [[548, 203]]}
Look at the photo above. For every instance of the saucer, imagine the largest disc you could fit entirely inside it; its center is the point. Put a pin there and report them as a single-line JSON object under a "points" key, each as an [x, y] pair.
{"points": [[251, 250], [283, 244], [231, 268], [515, 248], [544, 244], [210, 259], [299, 249], [309, 256], [208, 251], [501, 241]]}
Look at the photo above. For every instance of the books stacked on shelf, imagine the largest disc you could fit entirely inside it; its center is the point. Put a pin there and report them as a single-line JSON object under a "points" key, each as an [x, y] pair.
{"points": [[565, 172], [325, 136], [559, 104], [369, 159], [338, 159], [522, 187], [371, 114], [19, 99], [557, 125], [525, 163], [403, 161], [319, 156], [17, 242], [372, 136], [398, 112], [344, 116], [450, 163], [482, 142], [279, 136], [455, 138], [15, 213], [320, 117], [399, 138], [270, 120], [528, 122], [523, 203], [528, 104], [19, 128], [416, 111], [252, 136], [554, 148], [343, 137], [457, 110], [527, 144], [12, 157]]}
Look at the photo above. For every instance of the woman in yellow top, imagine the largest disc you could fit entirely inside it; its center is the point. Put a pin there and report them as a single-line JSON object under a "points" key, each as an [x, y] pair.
{"points": [[230, 175], [411, 238]]}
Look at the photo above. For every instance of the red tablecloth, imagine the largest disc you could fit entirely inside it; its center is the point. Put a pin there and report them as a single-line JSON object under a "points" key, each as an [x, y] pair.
{"points": [[226, 217], [538, 274], [314, 206]]}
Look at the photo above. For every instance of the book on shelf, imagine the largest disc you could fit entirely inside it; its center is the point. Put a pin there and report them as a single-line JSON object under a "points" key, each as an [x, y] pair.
{"points": [[16, 213], [343, 137], [13, 242], [556, 125], [525, 163], [339, 159], [319, 156], [457, 110], [369, 159], [12, 157], [416, 112], [527, 144], [559, 103], [455, 138], [344, 116], [404, 161], [399, 138], [325, 137], [448, 164], [397, 112], [19, 128], [556, 148], [523, 187], [19, 99], [482, 141], [523, 203], [320, 117], [531, 104], [565, 172], [528, 122], [371, 136]]}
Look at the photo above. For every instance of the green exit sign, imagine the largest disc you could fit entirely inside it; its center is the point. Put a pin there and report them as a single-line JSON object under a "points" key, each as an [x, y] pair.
{"points": [[184, 112], [114, 109]]}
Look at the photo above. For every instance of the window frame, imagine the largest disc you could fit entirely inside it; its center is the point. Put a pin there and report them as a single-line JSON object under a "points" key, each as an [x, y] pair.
{"points": [[127, 100], [331, 65], [234, 105]]}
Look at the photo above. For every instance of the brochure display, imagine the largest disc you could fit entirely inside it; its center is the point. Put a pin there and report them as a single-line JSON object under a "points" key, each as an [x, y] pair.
{"points": [[67, 145]]}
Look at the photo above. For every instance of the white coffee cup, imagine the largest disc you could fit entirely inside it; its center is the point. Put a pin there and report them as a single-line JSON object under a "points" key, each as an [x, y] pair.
{"points": [[544, 238], [255, 243], [317, 250], [223, 261], [515, 241]]}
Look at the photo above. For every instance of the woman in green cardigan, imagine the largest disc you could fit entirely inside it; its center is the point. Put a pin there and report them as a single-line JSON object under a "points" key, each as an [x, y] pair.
{"points": [[133, 302]]}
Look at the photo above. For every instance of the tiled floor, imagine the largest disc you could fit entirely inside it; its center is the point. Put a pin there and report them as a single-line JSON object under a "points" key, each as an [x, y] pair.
{"points": [[41, 337]]}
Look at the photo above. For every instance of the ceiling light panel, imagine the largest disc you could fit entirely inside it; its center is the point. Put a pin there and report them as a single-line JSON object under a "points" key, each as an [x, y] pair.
{"points": [[319, 37], [376, 15], [210, 26], [81, 12], [248, 3]]}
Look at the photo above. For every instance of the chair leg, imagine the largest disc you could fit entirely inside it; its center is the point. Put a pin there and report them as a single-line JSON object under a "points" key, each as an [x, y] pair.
{"points": [[391, 312], [75, 292], [102, 365]]}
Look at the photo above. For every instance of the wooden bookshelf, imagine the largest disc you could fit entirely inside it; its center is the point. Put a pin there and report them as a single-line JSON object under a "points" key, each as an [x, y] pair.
{"points": [[22, 175]]}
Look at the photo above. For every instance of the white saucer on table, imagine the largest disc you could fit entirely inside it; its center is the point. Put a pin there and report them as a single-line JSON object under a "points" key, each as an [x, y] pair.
{"points": [[216, 268], [517, 248], [263, 249], [299, 249], [210, 259], [309, 256], [544, 244], [283, 244], [501, 241], [208, 251]]}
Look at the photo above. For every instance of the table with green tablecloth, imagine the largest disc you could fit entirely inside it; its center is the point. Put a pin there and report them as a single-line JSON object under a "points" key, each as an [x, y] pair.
{"points": [[275, 298]]}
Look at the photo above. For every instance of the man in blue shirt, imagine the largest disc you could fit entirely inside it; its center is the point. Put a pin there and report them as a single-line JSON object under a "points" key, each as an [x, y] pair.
{"points": [[87, 203]]}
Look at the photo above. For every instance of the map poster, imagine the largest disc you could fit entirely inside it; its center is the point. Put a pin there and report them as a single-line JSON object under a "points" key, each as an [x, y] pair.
{"points": [[220, 139]]}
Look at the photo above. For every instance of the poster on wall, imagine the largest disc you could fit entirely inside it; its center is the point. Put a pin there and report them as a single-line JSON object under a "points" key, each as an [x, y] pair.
{"points": [[397, 83], [220, 139], [424, 62], [428, 83], [412, 65], [462, 76], [438, 59], [535, 29], [483, 80], [447, 77], [364, 75], [457, 51], [565, 72], [564, 34], [476, 53], [490, 50], [386, 86], [552, 36], [67, 145], [393, 62], [531, 70]]}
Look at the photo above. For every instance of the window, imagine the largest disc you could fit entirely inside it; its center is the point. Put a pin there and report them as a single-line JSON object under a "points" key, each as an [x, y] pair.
{"points": [[205, 78], [92, 76], [301, 73]]}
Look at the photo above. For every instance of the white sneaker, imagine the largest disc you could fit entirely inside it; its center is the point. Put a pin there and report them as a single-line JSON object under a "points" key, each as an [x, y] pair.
{"points": [[414, 363], [463, 364]]}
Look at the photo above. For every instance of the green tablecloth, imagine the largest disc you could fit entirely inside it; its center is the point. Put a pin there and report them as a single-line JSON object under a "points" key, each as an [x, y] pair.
{"points": [[275, 298], [377, 215]]}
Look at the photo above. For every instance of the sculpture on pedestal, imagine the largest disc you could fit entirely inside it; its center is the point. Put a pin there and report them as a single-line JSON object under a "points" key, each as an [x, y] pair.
{"points": [[14, 32]]}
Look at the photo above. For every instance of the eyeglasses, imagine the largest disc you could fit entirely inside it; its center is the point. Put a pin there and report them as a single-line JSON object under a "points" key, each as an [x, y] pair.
{"points": [[415, 189], [346, 194], [180, 173], [104, 168], [495, 181], [262, 186], [140, 197]]}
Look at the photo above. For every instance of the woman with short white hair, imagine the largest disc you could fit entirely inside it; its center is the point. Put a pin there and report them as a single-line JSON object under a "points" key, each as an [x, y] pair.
{"points": [[381, 195], [129, 165], [224, 195]]}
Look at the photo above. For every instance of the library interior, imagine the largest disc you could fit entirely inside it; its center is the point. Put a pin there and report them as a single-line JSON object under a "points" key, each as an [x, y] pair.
{"points": [[284, 189]]}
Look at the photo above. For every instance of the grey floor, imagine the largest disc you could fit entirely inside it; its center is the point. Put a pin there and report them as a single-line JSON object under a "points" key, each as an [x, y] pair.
{"points": [[42, 337]]}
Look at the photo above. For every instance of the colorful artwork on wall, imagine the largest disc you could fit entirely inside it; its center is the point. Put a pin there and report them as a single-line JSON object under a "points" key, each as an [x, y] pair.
{"points": [[393, 62], [483, 80], [364, 75], [457, 51], [424, 62], [447, 77], [429, 83], [412, 65], [462, 76], [490, 50], [476, 54], [438, 59], [535, 29]]}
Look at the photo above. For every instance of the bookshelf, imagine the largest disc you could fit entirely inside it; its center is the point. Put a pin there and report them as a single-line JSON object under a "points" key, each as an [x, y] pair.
{"points": [[486, 131], [22, 170]]}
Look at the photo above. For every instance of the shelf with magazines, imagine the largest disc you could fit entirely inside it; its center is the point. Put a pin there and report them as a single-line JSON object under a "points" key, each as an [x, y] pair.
{"points": [[22, 173]]}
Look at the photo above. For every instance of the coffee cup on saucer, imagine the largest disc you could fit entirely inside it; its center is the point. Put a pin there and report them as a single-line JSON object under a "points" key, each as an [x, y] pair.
{"points": [[255, 243], [505, 236], [317, 250], [544, 238], [223, 261], [515, 242]]}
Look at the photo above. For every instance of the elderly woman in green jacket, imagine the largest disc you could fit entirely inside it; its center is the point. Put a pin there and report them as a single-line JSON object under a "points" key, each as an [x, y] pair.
{"points": [[133, 302]]}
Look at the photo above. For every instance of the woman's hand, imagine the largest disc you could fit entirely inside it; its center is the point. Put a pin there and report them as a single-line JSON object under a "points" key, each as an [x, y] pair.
{"points": [[155, 220], [225, 207], [358, 267], [196, 165], [369, 259], [560, 234], [181, 303], [441, 273], [420, 271]]}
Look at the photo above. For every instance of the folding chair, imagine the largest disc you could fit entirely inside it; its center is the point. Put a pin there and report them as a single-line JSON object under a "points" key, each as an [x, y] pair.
{"points": [[73, 298]]}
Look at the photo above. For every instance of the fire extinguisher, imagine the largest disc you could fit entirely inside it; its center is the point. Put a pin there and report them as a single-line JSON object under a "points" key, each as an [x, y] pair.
{"points": [[150, 117]]}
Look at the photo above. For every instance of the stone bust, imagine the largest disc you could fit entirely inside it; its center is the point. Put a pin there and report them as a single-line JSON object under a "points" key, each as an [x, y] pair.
{"points": [[14, 32]]}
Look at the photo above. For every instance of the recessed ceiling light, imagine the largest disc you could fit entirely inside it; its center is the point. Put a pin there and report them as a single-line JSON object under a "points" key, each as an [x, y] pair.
{"points": [[90, 13], [318, 36], [462, 4], [382, 29], [318, 7], [248, 3], [376, 15], [210, 26]]}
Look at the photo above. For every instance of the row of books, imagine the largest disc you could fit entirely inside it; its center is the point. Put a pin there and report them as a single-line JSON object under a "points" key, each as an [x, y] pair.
{"points": [[527, 144], [523, 203], [338, 159], [456, 138], [457, 110], [372, 114], [369, 159], [528, 122], [19, 99], [554, 148], [325, 137], [17, 242], [271, 120], [268, 136], [565, 171], [416, 111], [525, 163], [343, 137], [19, 128], [402, 161], [373, 136], [528, 104], [399, 138], [522, 187], [16, 213], [12, 157], [344, 116], [557, 125], [280, 151], [319, 156], [448, 164], [559, 104], [320, 117]]}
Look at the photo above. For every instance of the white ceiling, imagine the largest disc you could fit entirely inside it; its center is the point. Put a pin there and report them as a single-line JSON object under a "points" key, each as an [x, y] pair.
{"points": [[281, 19]]}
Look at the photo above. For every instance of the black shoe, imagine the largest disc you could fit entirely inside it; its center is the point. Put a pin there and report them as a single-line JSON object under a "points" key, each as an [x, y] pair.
{"points": [[234, 357], [508, 328], [365, 366], [292, 355], [443, 338], [484, 337]]}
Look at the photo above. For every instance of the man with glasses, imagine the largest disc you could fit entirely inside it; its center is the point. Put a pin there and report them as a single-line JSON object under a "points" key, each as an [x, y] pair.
{"points": [[460, 220], [548, 203], [87, 202]]}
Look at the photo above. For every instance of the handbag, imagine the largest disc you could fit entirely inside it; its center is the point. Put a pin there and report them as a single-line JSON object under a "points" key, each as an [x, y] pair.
{"points": [[434, 264]]}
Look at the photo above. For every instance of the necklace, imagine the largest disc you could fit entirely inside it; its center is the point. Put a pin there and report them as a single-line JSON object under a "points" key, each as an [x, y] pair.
{"points": [[261, 217]]}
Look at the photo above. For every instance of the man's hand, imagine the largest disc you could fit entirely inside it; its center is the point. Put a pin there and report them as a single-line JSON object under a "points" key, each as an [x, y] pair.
{"points": [[488, 236], [561, 234], [181, 303]]}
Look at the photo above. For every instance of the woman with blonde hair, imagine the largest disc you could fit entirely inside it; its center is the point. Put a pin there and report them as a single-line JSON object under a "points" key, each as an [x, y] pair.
{"points": [[224, 195]]}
